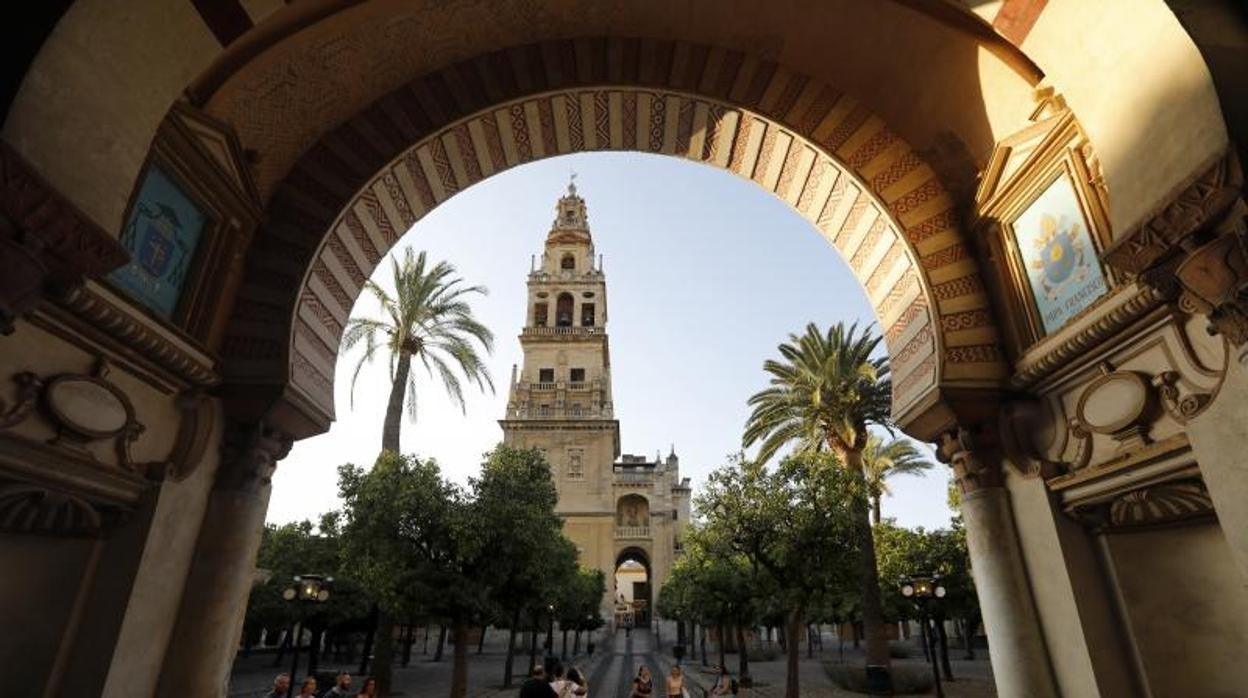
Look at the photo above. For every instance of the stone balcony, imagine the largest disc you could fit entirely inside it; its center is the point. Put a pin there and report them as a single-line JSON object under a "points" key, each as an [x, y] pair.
{"points": [[632, 532], [562, 331]]}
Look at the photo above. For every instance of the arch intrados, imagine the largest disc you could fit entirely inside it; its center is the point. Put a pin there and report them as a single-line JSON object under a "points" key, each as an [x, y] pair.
{"points": [[833, 162], [636, 555]]}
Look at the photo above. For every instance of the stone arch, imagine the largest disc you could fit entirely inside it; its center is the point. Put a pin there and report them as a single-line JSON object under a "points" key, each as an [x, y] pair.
{"points": [[835, 162], [632, 510]]}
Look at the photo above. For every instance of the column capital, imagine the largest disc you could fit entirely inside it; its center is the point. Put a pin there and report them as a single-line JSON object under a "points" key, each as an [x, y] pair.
{"points": [[974, 453], [249, 455]]}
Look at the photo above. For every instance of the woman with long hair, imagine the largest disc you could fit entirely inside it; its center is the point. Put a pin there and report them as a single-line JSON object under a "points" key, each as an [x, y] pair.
{"points": [[368, 689], [643, 685]]}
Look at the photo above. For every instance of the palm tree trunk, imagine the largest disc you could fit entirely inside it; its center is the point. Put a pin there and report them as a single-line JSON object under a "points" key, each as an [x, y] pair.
{"points": [[869, 575], [459, 667], [875, 510], [394, 408]]}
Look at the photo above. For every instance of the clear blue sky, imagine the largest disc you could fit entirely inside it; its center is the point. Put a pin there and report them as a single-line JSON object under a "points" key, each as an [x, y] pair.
{"points": [[706, 274]]}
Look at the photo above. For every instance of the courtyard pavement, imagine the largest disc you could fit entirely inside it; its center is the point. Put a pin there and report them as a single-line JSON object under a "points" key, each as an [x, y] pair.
{"points": [[612, 668]]}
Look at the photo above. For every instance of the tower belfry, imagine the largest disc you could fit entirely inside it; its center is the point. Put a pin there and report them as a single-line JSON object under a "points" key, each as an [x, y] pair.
{"points": [[615, 508]]}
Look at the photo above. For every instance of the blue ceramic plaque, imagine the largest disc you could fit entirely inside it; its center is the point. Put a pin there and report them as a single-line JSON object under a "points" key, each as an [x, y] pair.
{"points": [[1059, 257], [161, 235]]}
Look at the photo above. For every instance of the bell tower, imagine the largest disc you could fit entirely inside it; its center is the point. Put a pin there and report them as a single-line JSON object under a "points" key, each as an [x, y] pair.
{"points": [[559, 401]]}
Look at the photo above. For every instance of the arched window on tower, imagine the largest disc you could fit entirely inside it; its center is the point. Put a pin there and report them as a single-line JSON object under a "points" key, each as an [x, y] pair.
{"points": [[587, 315], [563, 310], [568, 262], [539, 315]]}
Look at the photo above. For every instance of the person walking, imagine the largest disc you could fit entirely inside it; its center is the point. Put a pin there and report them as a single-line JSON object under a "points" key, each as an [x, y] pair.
{"points": [[537, 685], [558, 683], [281, 686], [579, 688], [643, 685], [342, 687], [724, 685], [308, 689], [675, 683], [369, 689]]}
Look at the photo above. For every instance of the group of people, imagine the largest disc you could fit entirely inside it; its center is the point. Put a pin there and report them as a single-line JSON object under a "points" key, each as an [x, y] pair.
{"points": [[340, 689], [555, 683]]}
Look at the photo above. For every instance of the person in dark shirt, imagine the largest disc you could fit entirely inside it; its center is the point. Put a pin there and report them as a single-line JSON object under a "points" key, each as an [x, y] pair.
{"points": [[537, 685]]}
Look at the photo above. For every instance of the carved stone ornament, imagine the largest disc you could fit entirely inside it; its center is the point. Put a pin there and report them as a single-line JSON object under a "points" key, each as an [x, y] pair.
{"points": [[250, 455], [1214, 278], [1202, 203], [1180, 407], [34, 510], [1117, 404], [973, 456], [46, 245], [1021, 422], [1164, 504]]}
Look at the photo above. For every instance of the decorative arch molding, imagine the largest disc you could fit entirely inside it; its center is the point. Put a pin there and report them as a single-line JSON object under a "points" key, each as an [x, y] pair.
{"points": [[837, 164]]}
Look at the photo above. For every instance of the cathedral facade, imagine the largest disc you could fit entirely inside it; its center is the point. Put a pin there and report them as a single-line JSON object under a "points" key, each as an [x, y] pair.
{"points": [[616, 507]]}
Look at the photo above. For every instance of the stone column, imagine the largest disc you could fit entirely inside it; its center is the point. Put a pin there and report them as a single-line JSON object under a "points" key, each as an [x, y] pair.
{"points": [[214, 598], [1020, 659]]}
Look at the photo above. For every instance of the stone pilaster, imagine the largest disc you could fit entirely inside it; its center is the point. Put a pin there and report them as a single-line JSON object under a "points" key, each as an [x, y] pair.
{"points": [[1020, 659], [215, 595]]}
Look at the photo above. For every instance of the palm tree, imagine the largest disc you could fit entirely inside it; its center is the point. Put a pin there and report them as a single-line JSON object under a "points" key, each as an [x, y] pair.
{"points": [[428, 319], [882, 460], [826, 390]]}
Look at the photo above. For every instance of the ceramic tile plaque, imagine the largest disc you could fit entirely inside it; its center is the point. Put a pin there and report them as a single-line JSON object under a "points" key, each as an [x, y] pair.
{"points": [[161, 235], [1059, 258]]}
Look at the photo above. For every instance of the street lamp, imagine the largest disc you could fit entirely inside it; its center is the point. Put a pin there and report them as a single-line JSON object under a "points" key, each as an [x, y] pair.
{"points": [[550, 637], [306, 589], [922, 589]]}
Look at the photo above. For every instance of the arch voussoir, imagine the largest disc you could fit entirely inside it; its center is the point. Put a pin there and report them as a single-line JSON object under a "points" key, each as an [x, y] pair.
{"points": [[837, 164]]}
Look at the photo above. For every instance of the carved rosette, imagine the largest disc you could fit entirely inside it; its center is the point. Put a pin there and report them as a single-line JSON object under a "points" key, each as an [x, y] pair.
{"points": [[1164, 504]]}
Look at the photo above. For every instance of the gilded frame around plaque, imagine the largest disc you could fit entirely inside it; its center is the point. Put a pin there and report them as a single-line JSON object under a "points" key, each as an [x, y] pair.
{"points": [[1026, 171]]}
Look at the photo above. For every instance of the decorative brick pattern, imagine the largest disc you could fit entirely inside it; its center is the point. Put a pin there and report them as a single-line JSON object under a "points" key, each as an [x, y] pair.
{"points": [[343, 175]]}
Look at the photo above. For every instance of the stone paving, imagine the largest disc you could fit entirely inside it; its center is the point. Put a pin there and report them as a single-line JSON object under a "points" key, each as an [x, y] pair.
{"points": [[612, 668]]}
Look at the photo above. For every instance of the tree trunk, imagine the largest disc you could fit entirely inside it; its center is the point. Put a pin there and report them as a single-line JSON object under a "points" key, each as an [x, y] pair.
{"points": [[971, 623], [409, 639], [314, 646], [394, 408], [564, 654], [743, 656], [875, 510], [944, 648], [437, 653], [703, 638], [481, 640], [511, 648], [792, 626], [810, 643], [532, 645], [383, 653], [576, 642], [459, 667], [723, 661], [869, 576]]}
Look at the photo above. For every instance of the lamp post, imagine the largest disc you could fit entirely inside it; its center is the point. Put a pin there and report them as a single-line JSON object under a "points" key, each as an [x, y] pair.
{"points": [[307, 588], [922, 589], [550, 637]]}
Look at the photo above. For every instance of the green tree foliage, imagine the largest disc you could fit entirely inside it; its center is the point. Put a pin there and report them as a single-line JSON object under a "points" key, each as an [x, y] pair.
{"points": [[423, 547], [824, 392], [794, 530]]}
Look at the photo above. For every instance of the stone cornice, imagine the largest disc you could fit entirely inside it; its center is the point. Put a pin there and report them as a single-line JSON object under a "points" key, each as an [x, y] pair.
{"points": [[96, 313], [1125, 306]]}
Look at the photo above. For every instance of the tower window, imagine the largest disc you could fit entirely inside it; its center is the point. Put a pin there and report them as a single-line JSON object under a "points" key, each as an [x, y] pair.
{"points": [[539, 314], [569, 216], [563, 310], [577, 375], [568, 262], [576, 464], [587, 314], [546, 375]]}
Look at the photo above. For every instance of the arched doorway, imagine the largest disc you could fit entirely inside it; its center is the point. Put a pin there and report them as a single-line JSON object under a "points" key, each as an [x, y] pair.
{"points": [[775, 94], [632, 592]]}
